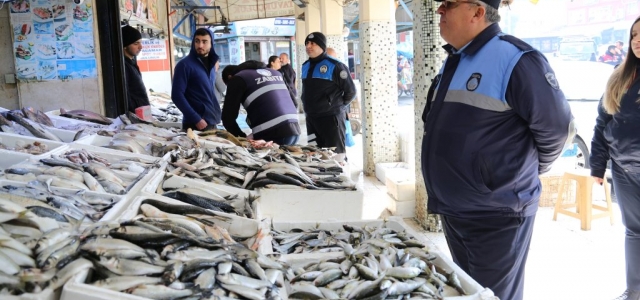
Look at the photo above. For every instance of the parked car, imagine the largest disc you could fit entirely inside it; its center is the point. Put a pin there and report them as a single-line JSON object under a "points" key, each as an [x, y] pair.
{"points": [[583, 83]]}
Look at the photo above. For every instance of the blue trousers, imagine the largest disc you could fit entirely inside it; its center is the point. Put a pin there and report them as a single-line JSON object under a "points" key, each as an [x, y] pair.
{"points": [[493, 251], [626, 182]]}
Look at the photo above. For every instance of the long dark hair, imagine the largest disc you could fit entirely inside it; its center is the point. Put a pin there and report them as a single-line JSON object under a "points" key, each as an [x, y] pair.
{"points": [[622, 78], [272, 59]]}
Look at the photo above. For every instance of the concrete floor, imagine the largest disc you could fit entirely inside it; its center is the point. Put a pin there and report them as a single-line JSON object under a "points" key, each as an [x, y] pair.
{"points": [[564, 262]]}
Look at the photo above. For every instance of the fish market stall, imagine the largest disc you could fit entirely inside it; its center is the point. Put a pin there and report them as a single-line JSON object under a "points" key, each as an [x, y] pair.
{"points": [[37, 253], [83, 168], [61, 204], [188, 250], [10, 158], [28, 145], [378, 258]]}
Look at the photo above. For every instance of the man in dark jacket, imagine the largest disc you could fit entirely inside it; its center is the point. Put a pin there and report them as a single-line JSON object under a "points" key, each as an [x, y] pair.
{"points": [[288, 73], [193, 84], [264, 95], [327, 89], [495, 119], [136, 91]]}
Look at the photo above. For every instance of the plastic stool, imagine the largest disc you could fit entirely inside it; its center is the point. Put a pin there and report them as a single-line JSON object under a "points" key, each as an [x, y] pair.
{"points": [[583, 205]]}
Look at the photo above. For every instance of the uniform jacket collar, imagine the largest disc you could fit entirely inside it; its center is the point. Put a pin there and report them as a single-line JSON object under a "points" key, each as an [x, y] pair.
{"points": [[476, 44]]}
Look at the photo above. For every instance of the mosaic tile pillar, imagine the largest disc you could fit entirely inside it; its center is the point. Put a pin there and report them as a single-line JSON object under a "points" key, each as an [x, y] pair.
{"points": [[378, 83], [301, 54], [330, 12], [428, 58]]}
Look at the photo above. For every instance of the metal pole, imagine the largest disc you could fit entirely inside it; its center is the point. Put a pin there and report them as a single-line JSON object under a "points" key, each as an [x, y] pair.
{"points": [[112, 58]]}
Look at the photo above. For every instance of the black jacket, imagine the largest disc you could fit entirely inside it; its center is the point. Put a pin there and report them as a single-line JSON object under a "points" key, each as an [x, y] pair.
{"points": [[136, 91], [289, 75], [617, 136], [327, 87], [270, 105]]}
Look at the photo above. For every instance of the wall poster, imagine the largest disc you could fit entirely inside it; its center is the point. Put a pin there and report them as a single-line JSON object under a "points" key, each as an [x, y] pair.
{"points": [[53, 39]]}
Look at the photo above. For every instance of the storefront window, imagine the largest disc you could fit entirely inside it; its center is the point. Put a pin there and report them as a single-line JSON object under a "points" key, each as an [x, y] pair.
{"points": [[222, 49]]}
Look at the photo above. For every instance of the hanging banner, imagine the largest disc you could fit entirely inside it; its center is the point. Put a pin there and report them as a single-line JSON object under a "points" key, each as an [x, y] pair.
{"points": [[152, 50], [53, 40], [238, 10]]}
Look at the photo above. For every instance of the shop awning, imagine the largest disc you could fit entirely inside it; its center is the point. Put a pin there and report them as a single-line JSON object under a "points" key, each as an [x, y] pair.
{"points": [[239, 10]]}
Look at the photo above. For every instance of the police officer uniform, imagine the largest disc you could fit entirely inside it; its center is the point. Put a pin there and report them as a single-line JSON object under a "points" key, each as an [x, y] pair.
{"points": [[327, 89], [495, 119]]}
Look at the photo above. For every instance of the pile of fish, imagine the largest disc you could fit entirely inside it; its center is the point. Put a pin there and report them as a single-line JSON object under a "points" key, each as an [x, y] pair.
{"points": [[163, 109], [35, 148], [148, 140], [85, 115], [377, 263], [250, 169], [83, 170], [26, 122], [162, 255], [207, 198], [36, 253], [63, 206]]}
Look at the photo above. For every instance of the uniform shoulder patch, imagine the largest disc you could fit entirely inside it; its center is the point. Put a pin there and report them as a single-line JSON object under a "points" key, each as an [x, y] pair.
{"points": [[520, 44], [343, 74], [551, 79]]}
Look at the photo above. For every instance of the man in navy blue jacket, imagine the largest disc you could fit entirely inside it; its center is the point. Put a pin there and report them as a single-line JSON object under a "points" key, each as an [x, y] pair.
{"points": [[193, 84], [495, 119]]}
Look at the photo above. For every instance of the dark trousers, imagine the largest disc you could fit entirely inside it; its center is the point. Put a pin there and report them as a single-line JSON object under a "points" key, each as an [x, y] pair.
{"points": [[290, 140], [626, 183], [327, 132], [493, 251]]}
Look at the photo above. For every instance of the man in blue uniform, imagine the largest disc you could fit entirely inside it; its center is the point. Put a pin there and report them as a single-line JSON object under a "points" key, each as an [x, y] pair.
{"points": [[265, 96], [327, 89], [495, 119], [193, 84]]}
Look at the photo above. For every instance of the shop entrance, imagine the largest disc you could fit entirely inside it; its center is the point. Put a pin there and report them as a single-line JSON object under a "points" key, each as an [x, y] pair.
{"points": [[252, 51]]}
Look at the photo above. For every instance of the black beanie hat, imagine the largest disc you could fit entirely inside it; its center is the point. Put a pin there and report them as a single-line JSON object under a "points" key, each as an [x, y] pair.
{"points": [[493, 3], [318, 38], [130, 35]]}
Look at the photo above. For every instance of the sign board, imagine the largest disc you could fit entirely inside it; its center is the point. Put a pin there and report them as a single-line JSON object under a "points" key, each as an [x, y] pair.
{"points": [[238, 10], [262, 27], [153, 49]]}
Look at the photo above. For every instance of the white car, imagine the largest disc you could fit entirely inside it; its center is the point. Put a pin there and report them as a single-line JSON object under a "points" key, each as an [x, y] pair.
{"points": [[583, 83]]}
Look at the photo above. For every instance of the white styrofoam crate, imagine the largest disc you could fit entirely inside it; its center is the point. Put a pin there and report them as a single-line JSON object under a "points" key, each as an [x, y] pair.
{"points": [[118, 208], [236, 225], [113, 156], [310, 205], [383, 168], [94, 140], [66, 136], [59, 121], [76, 289], [401, 184], [10, 140], [10, 158], [179, 182], [474, 290], [404, 209]]}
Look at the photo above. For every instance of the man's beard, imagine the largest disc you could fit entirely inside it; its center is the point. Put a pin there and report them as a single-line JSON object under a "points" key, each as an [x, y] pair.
{"points": [[204, 55]]}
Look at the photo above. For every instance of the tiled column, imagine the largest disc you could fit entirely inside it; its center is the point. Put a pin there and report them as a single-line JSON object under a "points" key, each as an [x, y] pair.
{"points": [[301, 54], [378, 83], [331, 13], [428, 57]]}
